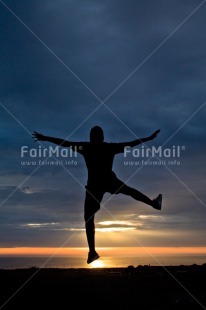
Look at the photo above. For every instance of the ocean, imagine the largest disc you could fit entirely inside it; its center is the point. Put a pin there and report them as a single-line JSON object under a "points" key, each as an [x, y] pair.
{"points": [[11, 262]]}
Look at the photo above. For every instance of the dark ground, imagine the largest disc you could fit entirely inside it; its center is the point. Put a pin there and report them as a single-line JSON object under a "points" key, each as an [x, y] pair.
{"points": [[144, 287]]}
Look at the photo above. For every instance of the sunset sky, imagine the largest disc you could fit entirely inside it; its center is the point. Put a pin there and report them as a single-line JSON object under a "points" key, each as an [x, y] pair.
{"points": [[131, 67]]}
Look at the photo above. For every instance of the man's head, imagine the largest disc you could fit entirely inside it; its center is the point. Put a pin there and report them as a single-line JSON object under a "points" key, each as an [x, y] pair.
{"points": [[96, 134]]}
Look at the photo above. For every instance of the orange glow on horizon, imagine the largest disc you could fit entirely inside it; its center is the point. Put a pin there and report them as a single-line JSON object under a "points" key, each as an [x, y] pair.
{"points": [[109, 251]]}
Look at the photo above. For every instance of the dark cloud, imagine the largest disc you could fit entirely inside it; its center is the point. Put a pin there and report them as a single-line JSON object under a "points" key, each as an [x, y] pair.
{"points": [[56, 72]]}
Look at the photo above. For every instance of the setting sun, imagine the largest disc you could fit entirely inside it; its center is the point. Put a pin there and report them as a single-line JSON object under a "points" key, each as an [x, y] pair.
{"points": [[97, 264]]}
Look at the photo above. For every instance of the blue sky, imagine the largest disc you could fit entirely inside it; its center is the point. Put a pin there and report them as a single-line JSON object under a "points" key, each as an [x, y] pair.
{"points": [[129, 66]]}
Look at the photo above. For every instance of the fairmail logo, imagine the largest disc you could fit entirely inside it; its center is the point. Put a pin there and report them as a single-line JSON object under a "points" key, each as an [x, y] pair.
{"points": [[51, 151], [160, 152]]}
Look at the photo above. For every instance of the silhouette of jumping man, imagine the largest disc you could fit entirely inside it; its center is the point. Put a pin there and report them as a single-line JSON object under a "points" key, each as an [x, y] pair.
{"points": [[99, 157]]}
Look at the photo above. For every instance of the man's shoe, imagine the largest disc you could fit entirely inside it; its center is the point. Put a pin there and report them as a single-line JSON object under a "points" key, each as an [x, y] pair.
{"points": [[92, 256], [157, 202]]}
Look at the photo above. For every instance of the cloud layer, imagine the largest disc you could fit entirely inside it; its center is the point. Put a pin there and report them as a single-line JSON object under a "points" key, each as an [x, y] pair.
{"points": [[59, 60]]}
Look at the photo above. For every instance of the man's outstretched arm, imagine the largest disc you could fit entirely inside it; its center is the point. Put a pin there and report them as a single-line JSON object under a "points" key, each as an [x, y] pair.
{"points": [[139, 141], [39, 137]]}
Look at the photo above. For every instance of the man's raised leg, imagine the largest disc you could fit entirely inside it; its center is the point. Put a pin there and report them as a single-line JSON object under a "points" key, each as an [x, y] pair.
{"points": [[155, 203]]}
